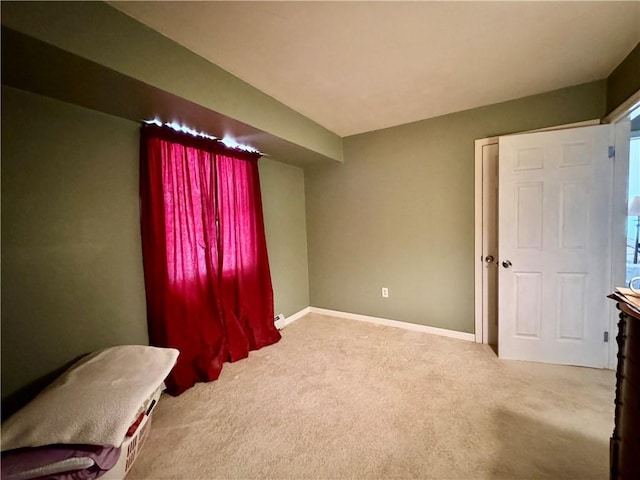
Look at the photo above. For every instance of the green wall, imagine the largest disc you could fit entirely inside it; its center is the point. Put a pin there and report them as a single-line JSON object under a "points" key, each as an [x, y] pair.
{"points": [[624, 81], [399, 213], [71, 261], [285, 225], [72, 278]]}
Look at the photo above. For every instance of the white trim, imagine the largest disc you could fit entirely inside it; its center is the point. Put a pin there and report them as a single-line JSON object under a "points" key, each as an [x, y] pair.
{"points": [[469, 337], [621, 178], [292, 318], [620, 139], [481, 328], [477, 249], [624, 109]]}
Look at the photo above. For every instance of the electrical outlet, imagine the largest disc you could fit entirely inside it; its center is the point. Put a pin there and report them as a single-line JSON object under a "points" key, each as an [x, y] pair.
{"points": [[385, 292]]}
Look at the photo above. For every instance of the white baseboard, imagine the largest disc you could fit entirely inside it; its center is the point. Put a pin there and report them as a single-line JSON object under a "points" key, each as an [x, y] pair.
{"points": [[292, 318], [469, 337]]}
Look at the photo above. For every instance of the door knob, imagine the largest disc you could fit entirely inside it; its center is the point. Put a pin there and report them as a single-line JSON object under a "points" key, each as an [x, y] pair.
{"points": [[506, 264], [489, 259]]}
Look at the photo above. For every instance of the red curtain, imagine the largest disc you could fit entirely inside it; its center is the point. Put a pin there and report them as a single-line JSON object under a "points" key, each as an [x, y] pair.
{"points": [[206, 268]]}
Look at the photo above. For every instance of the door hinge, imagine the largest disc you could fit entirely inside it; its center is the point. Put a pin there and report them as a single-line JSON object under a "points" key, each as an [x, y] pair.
{"points": [[606, 337], [612, 151]]}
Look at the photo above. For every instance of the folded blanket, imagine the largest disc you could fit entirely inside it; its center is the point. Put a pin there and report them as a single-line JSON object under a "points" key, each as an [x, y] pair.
{"points": [[94, 402], [59, 461]]}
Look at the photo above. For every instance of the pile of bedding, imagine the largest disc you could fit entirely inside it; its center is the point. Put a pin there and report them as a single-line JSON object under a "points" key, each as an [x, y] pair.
{"points": [[75, 427]]}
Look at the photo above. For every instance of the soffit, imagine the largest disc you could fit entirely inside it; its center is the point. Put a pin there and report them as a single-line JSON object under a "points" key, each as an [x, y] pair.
{"points": [[360, 66]]}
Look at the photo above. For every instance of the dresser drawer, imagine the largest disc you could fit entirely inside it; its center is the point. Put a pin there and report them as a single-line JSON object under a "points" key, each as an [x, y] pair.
{"points": [[625, 442]]}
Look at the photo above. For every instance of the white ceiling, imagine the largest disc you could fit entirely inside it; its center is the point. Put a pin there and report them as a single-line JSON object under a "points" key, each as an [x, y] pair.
{"points": [[360, 66]]}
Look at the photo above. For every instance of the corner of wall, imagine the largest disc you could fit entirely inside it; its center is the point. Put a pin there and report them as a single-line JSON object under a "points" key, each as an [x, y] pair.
{"points": [[624, 81]]}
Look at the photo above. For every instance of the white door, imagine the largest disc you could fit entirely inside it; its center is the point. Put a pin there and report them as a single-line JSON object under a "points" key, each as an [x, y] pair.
{"points": [[555, 209]]}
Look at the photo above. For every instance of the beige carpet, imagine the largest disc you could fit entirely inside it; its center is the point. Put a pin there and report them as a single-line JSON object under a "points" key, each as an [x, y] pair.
{"points": [[344, 399]]}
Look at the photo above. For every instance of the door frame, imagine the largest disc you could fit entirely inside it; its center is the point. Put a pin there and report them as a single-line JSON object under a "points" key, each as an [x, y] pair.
{"points": [[619, 118], [481, 322]]}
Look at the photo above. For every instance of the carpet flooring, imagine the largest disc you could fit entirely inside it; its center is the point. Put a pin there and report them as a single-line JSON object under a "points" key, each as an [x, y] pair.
{"points": [[338, 399]]}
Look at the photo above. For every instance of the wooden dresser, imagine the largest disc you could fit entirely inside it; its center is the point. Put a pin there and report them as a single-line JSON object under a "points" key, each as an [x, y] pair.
{"points": [[624, 458]]}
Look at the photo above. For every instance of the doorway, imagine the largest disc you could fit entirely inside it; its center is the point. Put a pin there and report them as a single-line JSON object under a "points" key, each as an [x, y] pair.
{"points": [[486, 244]]}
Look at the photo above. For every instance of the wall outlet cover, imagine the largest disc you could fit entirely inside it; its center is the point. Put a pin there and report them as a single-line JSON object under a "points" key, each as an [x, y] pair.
{"points": [[279, 321]]}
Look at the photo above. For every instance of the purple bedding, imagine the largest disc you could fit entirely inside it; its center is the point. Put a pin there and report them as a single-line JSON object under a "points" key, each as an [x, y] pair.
{"points": [[17, 463]]}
